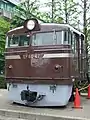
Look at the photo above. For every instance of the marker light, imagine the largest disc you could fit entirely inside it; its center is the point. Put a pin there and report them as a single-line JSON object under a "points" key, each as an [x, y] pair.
{"points": [[30, 25]]}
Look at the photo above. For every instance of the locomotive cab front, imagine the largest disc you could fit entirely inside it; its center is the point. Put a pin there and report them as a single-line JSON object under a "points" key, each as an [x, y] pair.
{"points": [[42, 62]]}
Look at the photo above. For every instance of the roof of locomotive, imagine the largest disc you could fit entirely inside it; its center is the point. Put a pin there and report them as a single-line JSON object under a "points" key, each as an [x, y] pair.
{"points": [[45, 27]]}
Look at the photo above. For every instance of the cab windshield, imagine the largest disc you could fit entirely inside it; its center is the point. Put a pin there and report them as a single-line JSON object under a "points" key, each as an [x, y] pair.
{"points": [[51, 38], [39, 39], [15, 41]]}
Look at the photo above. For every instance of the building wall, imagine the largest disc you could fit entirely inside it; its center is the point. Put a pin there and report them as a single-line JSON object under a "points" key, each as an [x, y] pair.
{"points": [[6, 8]]}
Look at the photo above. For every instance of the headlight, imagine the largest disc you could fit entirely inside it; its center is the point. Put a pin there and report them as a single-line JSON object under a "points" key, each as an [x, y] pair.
{"points": [[30, 25]]}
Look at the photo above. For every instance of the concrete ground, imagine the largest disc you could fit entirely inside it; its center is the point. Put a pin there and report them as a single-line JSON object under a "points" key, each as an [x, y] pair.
{"points": [[17, 111]]}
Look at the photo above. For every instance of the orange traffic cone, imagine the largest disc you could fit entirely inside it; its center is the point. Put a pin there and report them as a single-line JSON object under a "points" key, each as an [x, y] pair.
{"points": [[77, 100], [88, 92]]}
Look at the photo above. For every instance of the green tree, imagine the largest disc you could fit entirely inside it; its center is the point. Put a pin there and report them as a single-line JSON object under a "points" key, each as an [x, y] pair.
{"points": [[4, 27], [85, 19], [54, 12], [61, 11], [29, 9], [70, 12], [26, 10]]}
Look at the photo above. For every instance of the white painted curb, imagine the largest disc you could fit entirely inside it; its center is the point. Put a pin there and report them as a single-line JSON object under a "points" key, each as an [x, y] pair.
{"points": [[35, 116]]}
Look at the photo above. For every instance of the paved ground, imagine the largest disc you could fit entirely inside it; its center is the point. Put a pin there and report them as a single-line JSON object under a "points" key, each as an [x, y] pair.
{"points": [[68, 111]]}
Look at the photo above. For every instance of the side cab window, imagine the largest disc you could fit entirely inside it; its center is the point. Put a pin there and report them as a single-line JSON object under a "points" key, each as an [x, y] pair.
{"points": [[74, 42]]}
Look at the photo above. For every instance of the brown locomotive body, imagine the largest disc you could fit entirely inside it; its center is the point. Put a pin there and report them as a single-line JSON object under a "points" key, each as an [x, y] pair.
{"points": [[43, 63]]}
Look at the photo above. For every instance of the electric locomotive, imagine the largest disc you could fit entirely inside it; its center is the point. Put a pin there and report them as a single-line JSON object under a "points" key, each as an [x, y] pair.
{"points": [[43, 60]]}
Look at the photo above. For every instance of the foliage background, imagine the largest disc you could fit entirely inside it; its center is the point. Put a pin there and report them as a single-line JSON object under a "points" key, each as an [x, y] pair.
{"points": [[4, 27]]}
